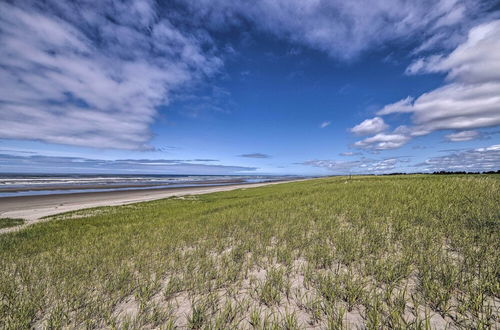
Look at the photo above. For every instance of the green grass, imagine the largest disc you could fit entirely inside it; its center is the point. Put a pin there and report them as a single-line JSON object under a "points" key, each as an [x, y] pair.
{"points": [[378, 252], [9, 222]]}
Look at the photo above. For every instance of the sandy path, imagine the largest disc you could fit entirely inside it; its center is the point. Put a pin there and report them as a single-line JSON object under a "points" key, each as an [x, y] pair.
{"points": [[33, 208]]}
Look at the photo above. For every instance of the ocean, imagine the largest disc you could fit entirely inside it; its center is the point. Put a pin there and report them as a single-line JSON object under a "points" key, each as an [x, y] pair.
{"points": [[48, 184]]}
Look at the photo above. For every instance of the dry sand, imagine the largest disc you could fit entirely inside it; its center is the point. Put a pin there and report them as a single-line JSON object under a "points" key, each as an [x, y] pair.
{"points": [[33, 208]]}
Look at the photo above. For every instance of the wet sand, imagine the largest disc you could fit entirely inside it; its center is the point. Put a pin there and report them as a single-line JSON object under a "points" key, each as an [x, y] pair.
{"points": [[110, 186], [33, 208]]}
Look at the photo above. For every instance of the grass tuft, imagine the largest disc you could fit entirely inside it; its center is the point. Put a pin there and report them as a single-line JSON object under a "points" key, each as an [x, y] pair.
{"points": [[10, 222]]}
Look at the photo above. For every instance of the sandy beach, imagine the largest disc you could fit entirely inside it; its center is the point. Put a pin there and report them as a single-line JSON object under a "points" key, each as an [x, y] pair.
{"points": [[33, 208], [52, 187]]}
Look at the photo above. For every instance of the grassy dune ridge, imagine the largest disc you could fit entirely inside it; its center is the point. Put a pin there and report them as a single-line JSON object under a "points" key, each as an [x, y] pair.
{"points": [[397, 252]]}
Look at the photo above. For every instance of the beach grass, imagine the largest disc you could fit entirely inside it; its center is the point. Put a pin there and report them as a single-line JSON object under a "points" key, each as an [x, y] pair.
{"points": [[410, 251], [9, 222]]}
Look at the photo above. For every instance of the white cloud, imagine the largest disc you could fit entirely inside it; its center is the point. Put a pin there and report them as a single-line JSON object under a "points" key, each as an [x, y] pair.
{"points": [[349, 153], [370, 126], [463, 136], [255, 155], [480, 159], [419, 66], [335, 165], [70, 75], [457, 106], [363, 165], [384, 165], [469, 101], [474, 61], [325, 124], [345, 28], [404, 105], [383, 141]]}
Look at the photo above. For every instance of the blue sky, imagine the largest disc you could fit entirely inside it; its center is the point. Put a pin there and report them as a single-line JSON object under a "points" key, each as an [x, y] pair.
{"points": [[225, 87]]}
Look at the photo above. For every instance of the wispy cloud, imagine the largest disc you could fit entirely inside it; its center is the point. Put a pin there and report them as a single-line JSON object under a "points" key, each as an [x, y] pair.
{"points": [[19, 163], [325, 124], [70, 74], [204, 99], [463, 136], [370, 126], [349, 153], [255, 155], [345, 29], [480, 159]]}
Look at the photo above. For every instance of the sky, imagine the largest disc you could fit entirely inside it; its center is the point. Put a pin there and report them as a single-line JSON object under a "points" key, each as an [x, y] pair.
{"points": [[298, 87]]}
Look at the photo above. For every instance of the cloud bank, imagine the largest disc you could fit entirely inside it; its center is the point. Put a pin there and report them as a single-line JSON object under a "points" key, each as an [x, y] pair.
{"points": [[19, 163], [92, 73], [480, 159], [470, 160], [469, 100]]}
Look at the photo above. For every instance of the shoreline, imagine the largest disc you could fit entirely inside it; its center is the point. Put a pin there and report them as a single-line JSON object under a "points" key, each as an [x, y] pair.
{"points": [[34, 208], [112, 186]]}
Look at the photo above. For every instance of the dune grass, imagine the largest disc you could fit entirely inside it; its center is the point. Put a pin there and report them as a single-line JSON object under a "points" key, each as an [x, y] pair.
{"points": [[10, 222], [376, 252]]}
